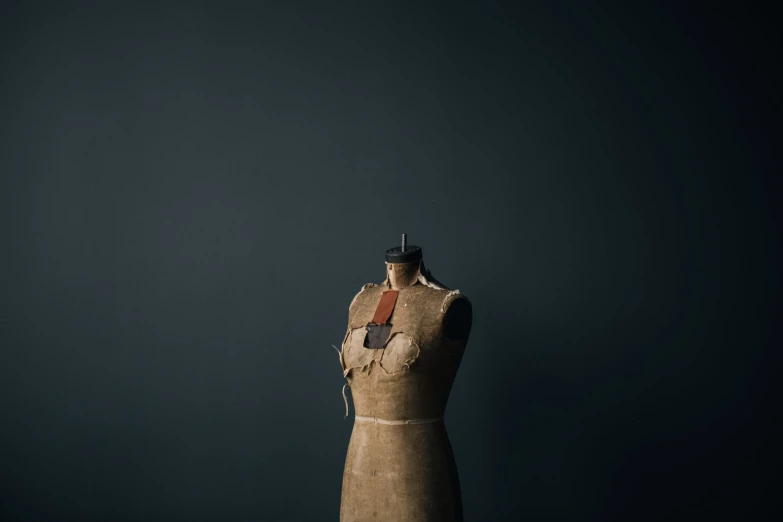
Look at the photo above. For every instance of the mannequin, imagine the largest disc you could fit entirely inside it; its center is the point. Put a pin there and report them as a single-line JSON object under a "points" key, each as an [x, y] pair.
{"points": [[400, 355]]}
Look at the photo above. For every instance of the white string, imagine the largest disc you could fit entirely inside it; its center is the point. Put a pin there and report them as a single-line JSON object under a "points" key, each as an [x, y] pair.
{"points": [[346, 400], [397, 422]]}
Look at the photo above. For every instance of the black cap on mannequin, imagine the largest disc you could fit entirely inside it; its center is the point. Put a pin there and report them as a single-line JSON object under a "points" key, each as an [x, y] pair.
{"points": [[404, 253]]}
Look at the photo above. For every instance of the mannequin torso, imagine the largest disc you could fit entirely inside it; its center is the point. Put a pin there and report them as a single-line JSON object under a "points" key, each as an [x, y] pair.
{"points": [[399, 464]]}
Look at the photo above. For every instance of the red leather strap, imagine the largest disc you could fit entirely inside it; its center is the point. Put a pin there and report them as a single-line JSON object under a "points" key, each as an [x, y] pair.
{"points": [[385, 307]]}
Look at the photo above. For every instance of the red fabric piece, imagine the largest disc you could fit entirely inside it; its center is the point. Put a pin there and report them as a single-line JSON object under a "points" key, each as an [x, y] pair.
{"points": [[385, 307]]}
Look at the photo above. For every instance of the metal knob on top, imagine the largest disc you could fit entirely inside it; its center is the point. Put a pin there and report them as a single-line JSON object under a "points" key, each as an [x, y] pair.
{"points": [[404, 253]]}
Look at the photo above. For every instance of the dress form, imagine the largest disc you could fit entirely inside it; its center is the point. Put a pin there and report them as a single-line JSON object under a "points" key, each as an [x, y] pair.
{"points": [[401, 352]]}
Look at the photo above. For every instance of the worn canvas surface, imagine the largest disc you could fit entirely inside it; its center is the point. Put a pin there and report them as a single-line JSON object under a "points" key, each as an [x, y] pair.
{"points": [[399, 465]]}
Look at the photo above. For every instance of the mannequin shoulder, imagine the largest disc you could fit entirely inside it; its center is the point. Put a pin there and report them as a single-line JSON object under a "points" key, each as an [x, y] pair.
{"points": [[458, 317], [442, 299], [451, 298], [367, 291]]}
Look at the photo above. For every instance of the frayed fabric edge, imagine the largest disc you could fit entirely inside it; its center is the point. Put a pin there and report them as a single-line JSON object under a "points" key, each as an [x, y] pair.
{"points": [[446, 299], [345, 374], [426, 282]]}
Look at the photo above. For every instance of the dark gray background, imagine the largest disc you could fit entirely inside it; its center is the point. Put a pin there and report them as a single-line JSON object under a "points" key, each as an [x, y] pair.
{"points": [[192, 193]]}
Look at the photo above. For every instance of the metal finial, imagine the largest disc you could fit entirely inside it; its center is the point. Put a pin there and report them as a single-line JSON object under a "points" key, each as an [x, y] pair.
{"points": [[404, 242]]}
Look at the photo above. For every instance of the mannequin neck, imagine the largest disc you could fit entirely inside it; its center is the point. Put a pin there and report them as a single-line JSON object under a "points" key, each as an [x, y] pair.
{"points": [[402, 275]]}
